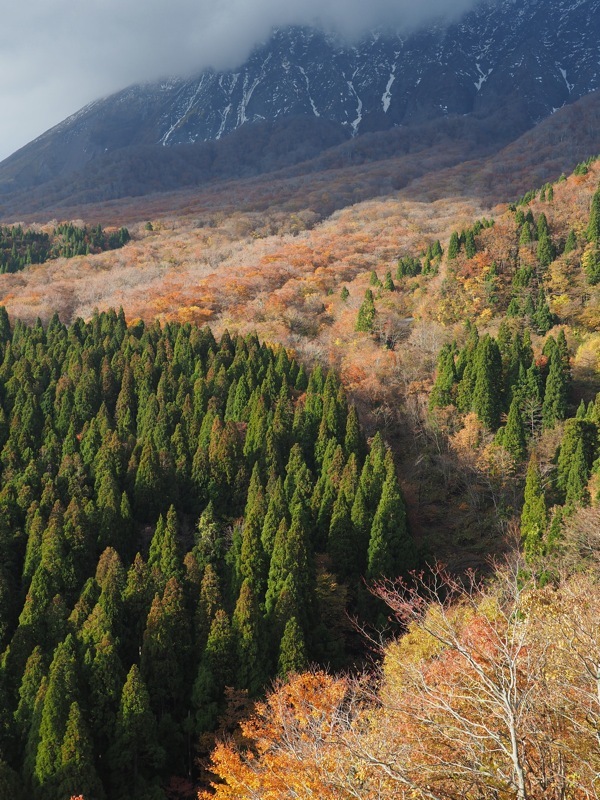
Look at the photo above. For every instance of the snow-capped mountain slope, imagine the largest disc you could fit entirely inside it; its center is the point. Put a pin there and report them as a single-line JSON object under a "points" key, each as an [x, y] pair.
{"points": [[524, 58], [540, 52]]}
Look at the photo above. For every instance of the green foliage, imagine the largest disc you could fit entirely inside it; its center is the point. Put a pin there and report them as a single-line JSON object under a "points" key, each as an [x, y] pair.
{"points": [[366, 313], [525, 236], [522, 277], [443, 390], [391, 549], [136, 754], [527, 197], [554, 407], [61, 691], [486, 401], [512, 436], [542, 317], [577, 452], [172, 501], [534, 516], [591, 264], [20, 247], [292, 650], [78, 775], [470, 247], [583, 167], [453, 246], [593, 228], [250, 641], [408, 267]]}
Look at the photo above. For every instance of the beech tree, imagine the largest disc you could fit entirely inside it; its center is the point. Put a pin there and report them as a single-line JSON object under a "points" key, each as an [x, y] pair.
{"points": [[490, 693]]}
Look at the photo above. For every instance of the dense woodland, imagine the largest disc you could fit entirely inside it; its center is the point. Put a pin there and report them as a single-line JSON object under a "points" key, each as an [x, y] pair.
{"points": [[492, 690], [178, 515], [185, 520], [20, 247]]}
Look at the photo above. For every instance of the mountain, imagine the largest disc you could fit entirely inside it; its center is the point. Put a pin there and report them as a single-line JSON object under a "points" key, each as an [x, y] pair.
{"points": [[513, 61]]}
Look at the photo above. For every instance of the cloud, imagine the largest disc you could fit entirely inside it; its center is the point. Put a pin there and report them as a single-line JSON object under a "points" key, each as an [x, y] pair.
{"points": [[56, 55]]}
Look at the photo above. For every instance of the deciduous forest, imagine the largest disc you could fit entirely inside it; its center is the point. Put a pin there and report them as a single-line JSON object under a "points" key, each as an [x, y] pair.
{"points": [[303, 501]]}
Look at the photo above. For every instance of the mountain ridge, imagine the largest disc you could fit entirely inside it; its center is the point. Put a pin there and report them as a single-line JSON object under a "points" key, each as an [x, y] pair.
{"points": [[516, 61]]}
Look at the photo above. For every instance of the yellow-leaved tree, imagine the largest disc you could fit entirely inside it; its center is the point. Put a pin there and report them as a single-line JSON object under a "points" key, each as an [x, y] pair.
{"points": [[491, 694]]}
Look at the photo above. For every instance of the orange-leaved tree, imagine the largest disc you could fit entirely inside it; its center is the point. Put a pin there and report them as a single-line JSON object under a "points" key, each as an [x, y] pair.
{"points": [[293, 747], [490, 694]]}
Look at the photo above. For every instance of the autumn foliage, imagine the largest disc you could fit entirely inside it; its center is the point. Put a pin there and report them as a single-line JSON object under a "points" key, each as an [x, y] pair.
{"points": [[490, 695]]}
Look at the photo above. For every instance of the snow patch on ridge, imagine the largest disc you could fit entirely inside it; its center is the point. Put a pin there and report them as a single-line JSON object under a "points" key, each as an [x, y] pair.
{"points": [[354, 125], [386, 98], [312, 102]]}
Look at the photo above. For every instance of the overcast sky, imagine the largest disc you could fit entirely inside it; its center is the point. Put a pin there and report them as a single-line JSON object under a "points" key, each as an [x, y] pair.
{"points": [[58, 55]]}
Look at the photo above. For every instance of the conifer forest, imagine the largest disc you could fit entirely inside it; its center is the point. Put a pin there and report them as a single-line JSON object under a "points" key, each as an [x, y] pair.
{"points": [[178, 515]]}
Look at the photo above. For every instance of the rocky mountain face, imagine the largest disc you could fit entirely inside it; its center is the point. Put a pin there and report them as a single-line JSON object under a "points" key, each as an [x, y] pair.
{"points": [[538, 53], [519, 60]]}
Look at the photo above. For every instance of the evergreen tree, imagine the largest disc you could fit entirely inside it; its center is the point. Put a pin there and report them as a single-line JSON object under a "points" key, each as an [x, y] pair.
{"points": [[136, 754], [105, 676], [591, 263], [62, 690], [554, 407], [341, 542], [593, 228], [276, 511], [576, 456], [292, 650], [546, 252], [31, 681], [253, 566], [470, 247], [525, 236], [149, 485], [571, 242], [165, 554], [209, 602], [513, 434], [249, 641], [534, 516], [453, 246], [214, 672], [487, 390], [445, 380], [542, 318], [353, 439], [576, 492], [78, 774], [391, 548], [366, 313], [166, 649]]}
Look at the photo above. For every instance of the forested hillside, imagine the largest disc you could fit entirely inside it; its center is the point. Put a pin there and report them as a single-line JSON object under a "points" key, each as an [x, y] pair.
{"points": [[21, 247], [178, 515], [491, 691], [189, 513]]}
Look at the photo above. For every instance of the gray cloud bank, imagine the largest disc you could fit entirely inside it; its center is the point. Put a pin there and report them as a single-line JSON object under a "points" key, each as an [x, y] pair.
{"points": [[57, 55]]}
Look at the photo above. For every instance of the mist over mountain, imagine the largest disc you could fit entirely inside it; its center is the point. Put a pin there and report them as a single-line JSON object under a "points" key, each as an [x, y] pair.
{"points": [[71, 56], [513, 62]]}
